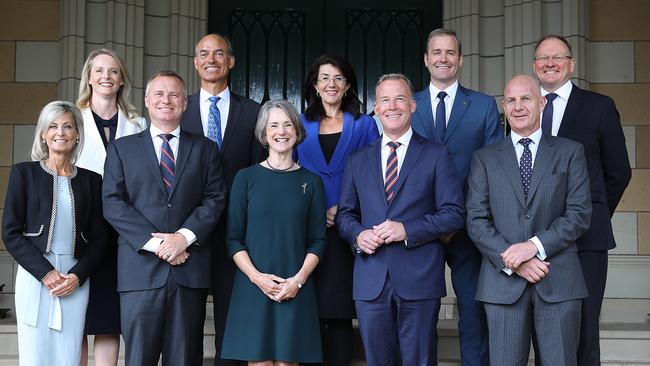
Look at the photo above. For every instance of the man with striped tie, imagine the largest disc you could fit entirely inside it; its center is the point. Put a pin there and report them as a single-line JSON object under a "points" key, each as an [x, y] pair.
{"points": [[163, 193], [399, 196]]}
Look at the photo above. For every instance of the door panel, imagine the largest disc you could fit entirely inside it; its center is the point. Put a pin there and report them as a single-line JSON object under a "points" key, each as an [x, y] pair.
{"points": [[274, 47]]}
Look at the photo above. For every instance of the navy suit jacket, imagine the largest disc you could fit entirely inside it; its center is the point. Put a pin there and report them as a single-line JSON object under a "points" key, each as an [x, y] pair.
{"points": [[355, 134], [429, 203], [474, 123], [240, 148], [136, 204], [592, 119]]}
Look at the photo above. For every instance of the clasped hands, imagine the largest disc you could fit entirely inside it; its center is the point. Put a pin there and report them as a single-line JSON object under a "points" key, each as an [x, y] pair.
{"points": [[521, 258], [172, 249], [387, 232], [277, 288], [60, 284]]}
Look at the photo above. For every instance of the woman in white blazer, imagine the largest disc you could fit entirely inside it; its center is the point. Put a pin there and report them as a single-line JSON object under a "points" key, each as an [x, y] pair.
{"points": [[107, 115]]}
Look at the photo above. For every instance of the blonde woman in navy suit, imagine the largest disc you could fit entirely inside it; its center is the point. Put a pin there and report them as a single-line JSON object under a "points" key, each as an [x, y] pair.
{"points": [[107, 115], [335, 128]]}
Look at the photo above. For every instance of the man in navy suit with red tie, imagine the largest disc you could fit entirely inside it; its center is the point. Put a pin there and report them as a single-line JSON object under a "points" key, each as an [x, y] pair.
{"points": [[399, 196], [163, 192]]}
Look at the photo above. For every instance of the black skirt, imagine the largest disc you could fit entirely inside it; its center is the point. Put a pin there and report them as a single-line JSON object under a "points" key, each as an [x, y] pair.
{"points": [[103, 312], [333, 279]]}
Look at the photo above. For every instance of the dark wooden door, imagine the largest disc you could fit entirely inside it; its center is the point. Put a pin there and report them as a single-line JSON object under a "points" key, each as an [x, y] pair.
{"points": [[274, 46]]}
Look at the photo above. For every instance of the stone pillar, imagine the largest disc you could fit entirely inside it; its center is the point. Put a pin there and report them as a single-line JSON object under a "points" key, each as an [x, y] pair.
{"points": [[149, 34], [499, 36]]}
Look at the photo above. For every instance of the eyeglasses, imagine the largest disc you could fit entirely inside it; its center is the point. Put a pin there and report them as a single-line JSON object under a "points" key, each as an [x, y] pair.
{"points": [[557, 59], [325, 79]]}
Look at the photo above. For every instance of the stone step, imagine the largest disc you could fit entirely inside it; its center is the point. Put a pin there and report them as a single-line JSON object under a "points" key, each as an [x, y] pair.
{"points": [[621, 344]]}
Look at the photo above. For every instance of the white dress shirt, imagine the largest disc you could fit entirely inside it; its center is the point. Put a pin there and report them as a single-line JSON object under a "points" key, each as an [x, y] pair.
{"points": [[449, 99], [401, 151], [519, 150], [152, 244], [559, 105], [224, 108]]}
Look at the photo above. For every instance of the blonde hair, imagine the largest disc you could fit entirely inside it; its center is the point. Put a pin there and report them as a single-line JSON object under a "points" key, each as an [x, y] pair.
{"points": [[51, 112], [86, 91]]}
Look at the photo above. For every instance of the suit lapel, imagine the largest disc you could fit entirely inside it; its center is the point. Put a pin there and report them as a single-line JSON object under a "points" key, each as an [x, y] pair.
{"points": [[425, 112], [149, 153], [185, 145], [233, 117], [413, 151], [545, 152], [192, 116], [461, 103], [338, 158], [375, 169], [312, 146], [508, 159], [571, 111]]}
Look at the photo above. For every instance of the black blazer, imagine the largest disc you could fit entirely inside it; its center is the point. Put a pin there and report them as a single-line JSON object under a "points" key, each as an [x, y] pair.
{"points": [[592, 119], [27, 219], [240, 148], [136, 204]]}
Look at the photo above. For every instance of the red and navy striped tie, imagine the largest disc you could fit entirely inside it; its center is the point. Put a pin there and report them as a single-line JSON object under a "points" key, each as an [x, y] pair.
{"points": [[167, 162], [391, 171]]}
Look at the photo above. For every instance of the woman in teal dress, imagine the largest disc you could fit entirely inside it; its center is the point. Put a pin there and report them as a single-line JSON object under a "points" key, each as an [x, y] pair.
{"points": [[276, 235]]}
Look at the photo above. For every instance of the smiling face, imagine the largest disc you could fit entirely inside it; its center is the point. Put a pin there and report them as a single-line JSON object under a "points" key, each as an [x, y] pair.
{"points": [[394, 106], [105, 77], [443, 60], [213, 61], [166, 102], [331, 84], [61, 135], [280, 132], [523, 103], [553, 64]]}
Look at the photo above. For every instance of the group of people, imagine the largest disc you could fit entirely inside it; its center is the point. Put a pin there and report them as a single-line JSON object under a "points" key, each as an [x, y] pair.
{"points": [[301, 223]]}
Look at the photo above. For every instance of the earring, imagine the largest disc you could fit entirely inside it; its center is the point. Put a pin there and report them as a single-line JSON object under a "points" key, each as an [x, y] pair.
{"points": [[345, 94], [77, 140], [317, 94], [43, 140]]}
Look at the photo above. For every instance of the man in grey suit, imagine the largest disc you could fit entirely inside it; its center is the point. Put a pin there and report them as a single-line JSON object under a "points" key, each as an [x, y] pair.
{"points": [[528, 201]]}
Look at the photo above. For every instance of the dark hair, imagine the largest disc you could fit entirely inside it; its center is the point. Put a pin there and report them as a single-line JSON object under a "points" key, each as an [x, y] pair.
{"points": [[443, 32], [554, 36], [350, 102]]}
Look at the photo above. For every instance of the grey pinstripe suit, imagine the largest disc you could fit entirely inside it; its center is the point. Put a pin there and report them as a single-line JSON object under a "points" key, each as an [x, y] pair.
{"points": [[558, 211]]}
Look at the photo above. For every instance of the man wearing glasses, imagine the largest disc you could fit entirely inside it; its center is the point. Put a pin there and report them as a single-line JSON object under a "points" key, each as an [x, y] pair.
{"points": [[591, 119]]}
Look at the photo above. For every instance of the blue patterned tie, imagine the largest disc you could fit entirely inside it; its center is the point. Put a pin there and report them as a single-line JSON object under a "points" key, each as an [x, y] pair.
{"points": [[167, 161], [391, 171], [526, 165], [441, 117], [214, 122], [547, 116]]}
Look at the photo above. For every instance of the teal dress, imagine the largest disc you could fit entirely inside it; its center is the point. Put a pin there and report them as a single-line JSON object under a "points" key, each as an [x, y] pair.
{"points": [[277, 217]]}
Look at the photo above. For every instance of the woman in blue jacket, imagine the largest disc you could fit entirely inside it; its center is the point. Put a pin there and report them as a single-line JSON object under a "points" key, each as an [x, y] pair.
{"points": [[335, 128]]}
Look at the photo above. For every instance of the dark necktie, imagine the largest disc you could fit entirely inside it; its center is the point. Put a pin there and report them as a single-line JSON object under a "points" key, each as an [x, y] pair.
{"points": [[167, 161], [214, 122], [526, 165], [391, 171], [441, 117], [547, 115]]}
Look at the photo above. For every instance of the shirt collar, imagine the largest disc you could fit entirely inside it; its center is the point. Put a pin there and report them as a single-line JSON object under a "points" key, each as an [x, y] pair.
{"points": [[535, 136], [204, 95], [451, 90], [563, 92], [403, 140], [155, 131]]}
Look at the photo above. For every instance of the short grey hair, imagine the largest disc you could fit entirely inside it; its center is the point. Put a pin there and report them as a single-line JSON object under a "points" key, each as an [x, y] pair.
{"points": [[49, 114], [263, 119], [229, 49], [443, 32], [387, 77]]}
